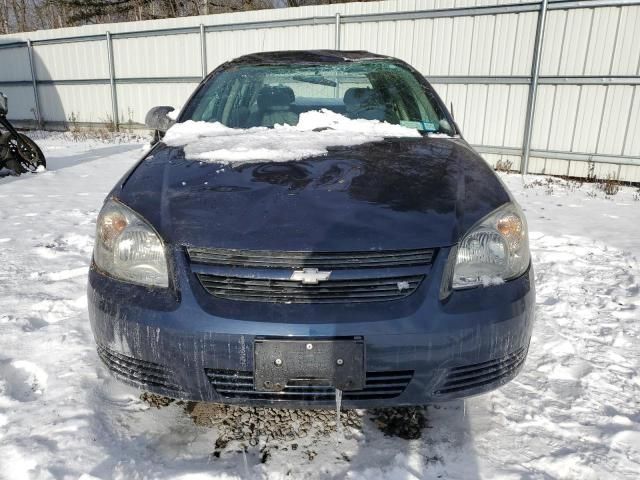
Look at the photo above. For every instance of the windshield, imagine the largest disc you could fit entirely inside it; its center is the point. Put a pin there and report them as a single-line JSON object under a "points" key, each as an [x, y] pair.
{"points": [[253, 96]]}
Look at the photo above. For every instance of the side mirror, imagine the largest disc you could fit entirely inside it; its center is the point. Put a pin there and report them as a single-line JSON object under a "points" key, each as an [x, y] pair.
{"points": [[4, 104], [158, 120]]}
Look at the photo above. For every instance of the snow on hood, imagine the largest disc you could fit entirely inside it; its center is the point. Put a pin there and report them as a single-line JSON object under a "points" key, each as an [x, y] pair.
{"points": [[314, 133]]}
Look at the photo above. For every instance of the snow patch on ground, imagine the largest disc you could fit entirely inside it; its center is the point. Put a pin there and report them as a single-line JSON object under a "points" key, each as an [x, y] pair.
{"points": [[572, 413], [21, 380], [315, 132]]}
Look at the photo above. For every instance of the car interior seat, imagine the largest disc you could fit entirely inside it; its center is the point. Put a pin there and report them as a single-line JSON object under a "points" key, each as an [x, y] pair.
{"points": [[274, 102], [364, 103]]}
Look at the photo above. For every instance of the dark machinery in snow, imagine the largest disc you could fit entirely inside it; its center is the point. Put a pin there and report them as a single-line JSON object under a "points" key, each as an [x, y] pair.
{"points": [[17, 151]]}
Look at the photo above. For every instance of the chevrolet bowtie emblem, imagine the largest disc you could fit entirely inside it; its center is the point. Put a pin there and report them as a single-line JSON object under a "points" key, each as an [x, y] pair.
{"points": [[310, 276]]}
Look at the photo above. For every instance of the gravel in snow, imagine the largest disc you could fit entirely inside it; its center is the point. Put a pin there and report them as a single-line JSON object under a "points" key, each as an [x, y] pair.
{"points": [[573, 412]]}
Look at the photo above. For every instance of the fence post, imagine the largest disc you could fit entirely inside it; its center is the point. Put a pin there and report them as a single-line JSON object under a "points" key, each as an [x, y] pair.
{"points": [[337, 41], [112, 82], [203, 50], [533, 88], [34, 83]]}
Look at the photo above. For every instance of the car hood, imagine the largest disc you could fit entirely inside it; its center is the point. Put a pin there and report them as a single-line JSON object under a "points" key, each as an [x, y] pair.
{"points": [[393, 194]]}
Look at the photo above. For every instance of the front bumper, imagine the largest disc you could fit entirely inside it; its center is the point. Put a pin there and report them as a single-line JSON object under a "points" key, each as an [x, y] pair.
{"points": [[183, 343]]}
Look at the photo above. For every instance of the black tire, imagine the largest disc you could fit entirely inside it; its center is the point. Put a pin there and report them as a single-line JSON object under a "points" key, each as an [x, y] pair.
{"points": [[5, 153], [21, 156], [7, 159]]}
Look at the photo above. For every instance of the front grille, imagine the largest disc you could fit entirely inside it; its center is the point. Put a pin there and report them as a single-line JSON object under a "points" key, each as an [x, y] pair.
{"points": [[320, 260], [330, 291], [478, 375], [140, 372], [378, 385]]}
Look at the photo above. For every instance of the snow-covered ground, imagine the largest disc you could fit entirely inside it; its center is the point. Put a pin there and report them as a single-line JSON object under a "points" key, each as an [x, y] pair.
{"points": [[574, 411]]}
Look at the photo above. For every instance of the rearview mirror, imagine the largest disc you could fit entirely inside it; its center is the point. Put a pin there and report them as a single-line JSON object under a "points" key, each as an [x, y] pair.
{"points": [[157, 118], [4, 104]]}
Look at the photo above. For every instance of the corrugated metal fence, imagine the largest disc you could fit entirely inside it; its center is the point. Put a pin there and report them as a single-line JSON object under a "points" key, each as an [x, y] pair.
{"points": [[554, 82]]}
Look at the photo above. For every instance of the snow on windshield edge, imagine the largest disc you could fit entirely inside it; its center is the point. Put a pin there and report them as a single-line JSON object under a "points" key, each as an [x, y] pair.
{"points": [[314, 133]]}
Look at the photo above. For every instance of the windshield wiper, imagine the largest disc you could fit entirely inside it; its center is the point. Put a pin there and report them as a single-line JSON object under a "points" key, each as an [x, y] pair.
{"points": [[315, 79]]}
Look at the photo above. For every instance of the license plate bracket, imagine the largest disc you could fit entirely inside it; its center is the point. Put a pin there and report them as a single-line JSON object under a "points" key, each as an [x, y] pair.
{"points": [[336, 363]]}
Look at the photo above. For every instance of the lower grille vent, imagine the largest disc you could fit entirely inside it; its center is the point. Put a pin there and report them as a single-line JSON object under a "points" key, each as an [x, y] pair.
{"points": [[477, 375], [140, 372], [378, 385]]}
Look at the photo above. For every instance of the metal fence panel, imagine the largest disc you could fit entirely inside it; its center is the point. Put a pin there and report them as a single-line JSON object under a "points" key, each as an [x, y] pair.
{"points": [[460, 50], [626, 58], [71, 61], [514, 131], [544, 113], [224, 46], [160, 56], [614, 119], [473, 114], [563, 115], [632, 134], [482, 43], [137, 99], [496, 114], [553, 42], [602, 41], [576, 41], [21, 102], [406, 41], [524, 43], [355, 35], [15, 64], [421, 44], [79, 103], [588, 116], [441, 46], [503, 50]]}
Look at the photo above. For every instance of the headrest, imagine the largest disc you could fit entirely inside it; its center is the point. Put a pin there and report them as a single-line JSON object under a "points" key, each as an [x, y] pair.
{"points": [[361, 97], [270, 97]]}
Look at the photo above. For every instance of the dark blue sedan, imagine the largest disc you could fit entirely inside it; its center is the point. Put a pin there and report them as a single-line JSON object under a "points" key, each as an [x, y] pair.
{"points": [[393, 272]]}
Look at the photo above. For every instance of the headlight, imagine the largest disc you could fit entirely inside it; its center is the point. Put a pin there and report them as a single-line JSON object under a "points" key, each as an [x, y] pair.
{"points": [[494, 250], [128, 248]]}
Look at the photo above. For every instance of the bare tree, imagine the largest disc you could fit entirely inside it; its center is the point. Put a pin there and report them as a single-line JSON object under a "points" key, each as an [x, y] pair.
{"points": [[26, 15], [4, 17], [20, 14], [304, 3]]}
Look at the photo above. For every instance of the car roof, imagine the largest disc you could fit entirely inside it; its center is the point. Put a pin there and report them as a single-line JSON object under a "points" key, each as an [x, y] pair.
{"points": [[287, 57]]}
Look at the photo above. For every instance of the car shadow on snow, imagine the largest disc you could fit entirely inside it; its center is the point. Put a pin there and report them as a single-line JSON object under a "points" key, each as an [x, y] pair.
{"points": [[136, 441], [166, 443], [444, 450], [55, 163]]}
